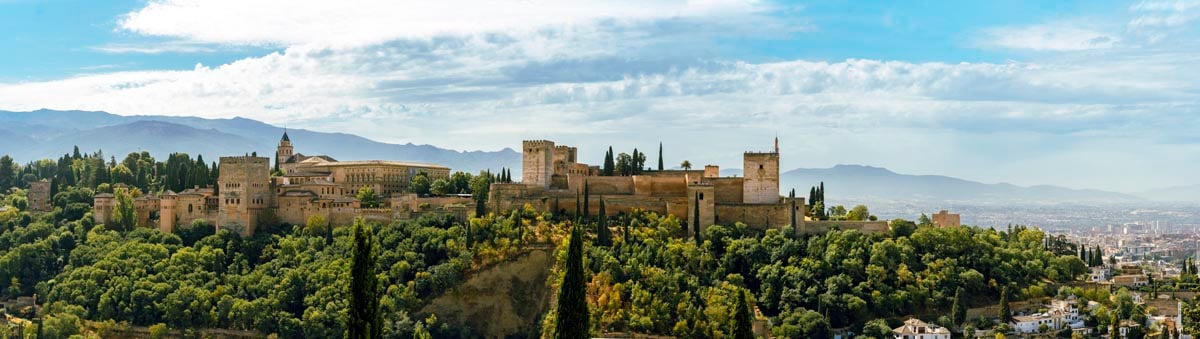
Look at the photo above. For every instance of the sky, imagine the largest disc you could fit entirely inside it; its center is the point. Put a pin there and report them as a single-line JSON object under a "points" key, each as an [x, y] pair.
{"points": [[1083, 94]]}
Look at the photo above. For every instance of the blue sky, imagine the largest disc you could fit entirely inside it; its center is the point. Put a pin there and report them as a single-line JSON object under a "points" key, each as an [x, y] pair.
{"points": [[1097, 94]]}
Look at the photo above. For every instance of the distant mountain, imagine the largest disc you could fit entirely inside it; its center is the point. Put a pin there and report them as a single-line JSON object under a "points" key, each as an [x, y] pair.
{"points": [[867, 183], [47, 133], [1186, 193]]}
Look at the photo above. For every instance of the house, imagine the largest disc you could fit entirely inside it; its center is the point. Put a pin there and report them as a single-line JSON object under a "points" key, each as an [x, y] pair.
{"points": [[916, 329], [1099, 274], [1061, 314], [1130, 280]]}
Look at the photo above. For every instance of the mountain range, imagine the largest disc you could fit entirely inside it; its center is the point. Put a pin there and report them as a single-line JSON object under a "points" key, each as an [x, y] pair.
{"points": [[49, 133]]}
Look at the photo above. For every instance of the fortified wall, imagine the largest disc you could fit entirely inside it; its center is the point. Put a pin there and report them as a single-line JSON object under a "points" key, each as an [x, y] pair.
{"points": [[549, 184]]}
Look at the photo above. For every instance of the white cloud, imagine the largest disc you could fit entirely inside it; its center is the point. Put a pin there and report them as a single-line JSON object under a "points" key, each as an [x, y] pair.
{"points": [[1057, 37], [354, 23], [1150, 14], [486, 77], [156, 48]]}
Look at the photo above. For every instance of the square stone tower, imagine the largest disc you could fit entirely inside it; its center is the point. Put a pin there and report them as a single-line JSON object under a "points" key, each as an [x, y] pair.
{"points": [[701, 194], [245, 192], [537, 162], [39, 196], [761, 171]]}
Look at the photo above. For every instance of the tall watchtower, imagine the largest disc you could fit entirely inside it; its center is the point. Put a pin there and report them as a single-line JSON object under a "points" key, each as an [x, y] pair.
{"points": [[283, 152], [761, 171], [537, 162], [245, 192]]}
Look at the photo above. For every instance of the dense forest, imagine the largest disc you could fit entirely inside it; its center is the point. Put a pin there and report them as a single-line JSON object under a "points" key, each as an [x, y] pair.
{"points": [[653, 281]]}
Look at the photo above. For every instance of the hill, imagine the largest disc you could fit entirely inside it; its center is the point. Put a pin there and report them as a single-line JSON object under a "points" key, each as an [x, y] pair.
{"points": [[1185, 193], [868, 183], [48, 133]]}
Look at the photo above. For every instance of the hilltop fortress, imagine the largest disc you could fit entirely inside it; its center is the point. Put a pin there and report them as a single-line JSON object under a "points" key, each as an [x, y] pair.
{"points": [[247, 194], [552, 180]]}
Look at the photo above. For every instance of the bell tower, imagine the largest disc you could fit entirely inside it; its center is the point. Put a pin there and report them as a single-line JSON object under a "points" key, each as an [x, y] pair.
{"points": [[284, 151]]}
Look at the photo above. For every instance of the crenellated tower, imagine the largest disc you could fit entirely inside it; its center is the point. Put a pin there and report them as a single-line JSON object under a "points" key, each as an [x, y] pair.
{"points": [[537, 163], [761, 172]]}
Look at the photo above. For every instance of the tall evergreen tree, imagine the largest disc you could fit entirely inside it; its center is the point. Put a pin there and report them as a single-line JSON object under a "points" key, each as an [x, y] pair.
{"points": [[660, 158], [958, 312], [586, 194], [743, 326], [1005, 314], [571, 321], [1083, 254], [365, 321], [603, 234], [609, 164], [696, 220]]}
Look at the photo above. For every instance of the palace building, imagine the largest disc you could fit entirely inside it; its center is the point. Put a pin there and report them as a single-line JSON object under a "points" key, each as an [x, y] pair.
{"points": [[247, 194]]}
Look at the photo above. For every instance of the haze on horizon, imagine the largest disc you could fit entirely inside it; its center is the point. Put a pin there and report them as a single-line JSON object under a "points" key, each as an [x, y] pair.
{"points": [[1083, 94]]}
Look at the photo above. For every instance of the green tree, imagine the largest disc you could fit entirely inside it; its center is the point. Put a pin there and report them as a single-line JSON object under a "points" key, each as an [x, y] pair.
{"points": [[603, 234], [124, 217], [802, 323], [609, 163], [1005, 314], [877, 329], [571, 321], [365, 321], [440, 187], [686, 165], [480, 186], [958, 312], [8, 173], [858, 213], [367, 197], [924, 220], [902, 228], [696, 220], [660, 157], [420, 184], [743, 326]]}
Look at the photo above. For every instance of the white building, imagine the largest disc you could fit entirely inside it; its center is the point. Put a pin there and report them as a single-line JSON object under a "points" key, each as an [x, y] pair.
{"points": [[1099, 274], [916, 329], [1062, 314]]}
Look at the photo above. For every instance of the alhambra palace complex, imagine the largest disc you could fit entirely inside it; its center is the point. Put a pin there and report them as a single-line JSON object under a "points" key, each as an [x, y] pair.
{"points": [[552, 180]]}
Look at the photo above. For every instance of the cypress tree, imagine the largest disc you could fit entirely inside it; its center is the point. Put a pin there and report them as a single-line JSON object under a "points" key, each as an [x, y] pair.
{"points": [[696, 220], [586, 193], [1005, 315], [660, 158], [364, 322], [636, 166], [571, 322], [603, 234], [608, 163], [1083, 254], [958, 312], [743, 328]]}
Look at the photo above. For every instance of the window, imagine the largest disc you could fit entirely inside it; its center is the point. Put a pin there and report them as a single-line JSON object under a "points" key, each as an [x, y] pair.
{"points": [[760, 166], [701, 196]]}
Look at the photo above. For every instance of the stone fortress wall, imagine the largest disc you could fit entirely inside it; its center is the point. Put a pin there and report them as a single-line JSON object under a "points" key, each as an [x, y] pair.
{"points": [[549, 184]]}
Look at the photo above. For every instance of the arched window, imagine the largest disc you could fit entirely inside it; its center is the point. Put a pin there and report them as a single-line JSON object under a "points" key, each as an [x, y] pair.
{"points": [[189, 208]]}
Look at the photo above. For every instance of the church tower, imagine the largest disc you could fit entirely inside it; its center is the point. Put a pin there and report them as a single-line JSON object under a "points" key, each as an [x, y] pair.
{"points": [[284, 151]]}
